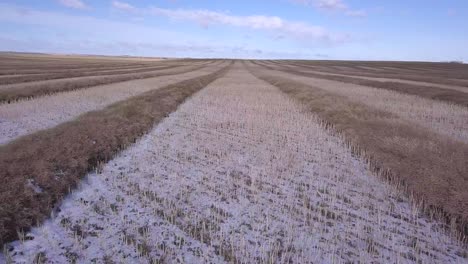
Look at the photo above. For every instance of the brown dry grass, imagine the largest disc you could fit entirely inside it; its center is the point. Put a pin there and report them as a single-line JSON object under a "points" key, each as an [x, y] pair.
{"points": [[80, 73], [55, 160], [31, 63], [76, 57], [431, 92], [377, 77], [440, 69], [442, 73], [47, 69], [432, 168], [29, 90]]}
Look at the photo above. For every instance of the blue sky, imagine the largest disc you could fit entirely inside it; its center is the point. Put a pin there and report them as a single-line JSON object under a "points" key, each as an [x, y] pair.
{"points": [[430, 30]]}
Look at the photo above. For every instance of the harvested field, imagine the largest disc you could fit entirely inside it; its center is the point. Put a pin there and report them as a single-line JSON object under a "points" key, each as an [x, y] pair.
{"points": [[209, 186], [76, 73], [14, 92], [431, 167], [456, 95], [441, 69], [28, 116], [14, 63], [72, 149], [211, 161], [380, 79], [406, 71], [59, 69], [447, 119]]}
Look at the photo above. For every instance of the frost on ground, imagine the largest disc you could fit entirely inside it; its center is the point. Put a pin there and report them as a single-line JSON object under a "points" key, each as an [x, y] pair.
{"points": [[28, 116], [240, 173]]}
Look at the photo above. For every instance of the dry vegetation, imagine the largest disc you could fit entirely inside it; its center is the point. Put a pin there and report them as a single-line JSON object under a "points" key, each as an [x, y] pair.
{"points": [[438, 73], [28, 116], [11, 64], [22, 78], [432, 167], [39, 169], [443, 118], [456, 95], [14, 92], [268, 184], [376, 75], [292, 162]]}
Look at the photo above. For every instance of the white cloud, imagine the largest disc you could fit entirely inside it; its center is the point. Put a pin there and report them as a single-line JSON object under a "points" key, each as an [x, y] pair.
{"points": [[332, 6], [273, 24], [193, 50], [124, 6], [77, 4], [82, 26], [71, 33], [356, 13]]}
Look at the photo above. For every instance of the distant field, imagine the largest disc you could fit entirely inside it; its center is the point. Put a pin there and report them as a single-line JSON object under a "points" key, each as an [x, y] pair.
{"points": [[126, 159]]}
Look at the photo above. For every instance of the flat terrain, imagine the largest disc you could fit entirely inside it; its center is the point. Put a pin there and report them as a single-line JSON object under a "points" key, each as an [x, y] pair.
{"points": [[212, 161], [27, 116]]}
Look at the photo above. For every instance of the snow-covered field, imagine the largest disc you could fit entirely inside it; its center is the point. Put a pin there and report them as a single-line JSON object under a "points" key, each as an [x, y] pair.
{"points": [[28, 116], [239, 173]]}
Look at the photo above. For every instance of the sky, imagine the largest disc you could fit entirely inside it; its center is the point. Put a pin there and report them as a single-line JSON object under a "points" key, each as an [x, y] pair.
{"points": [[422, 30]]}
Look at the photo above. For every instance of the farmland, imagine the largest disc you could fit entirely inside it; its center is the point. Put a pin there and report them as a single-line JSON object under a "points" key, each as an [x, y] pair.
{"points": [[126, 159]]}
